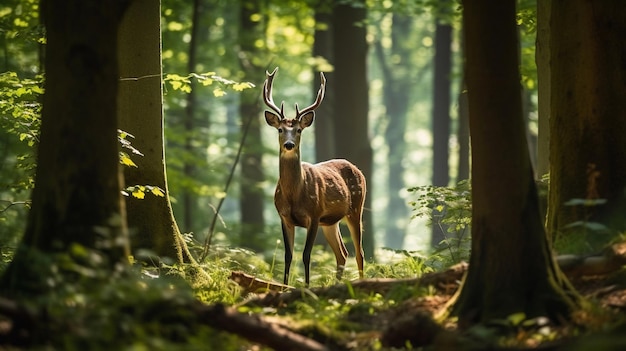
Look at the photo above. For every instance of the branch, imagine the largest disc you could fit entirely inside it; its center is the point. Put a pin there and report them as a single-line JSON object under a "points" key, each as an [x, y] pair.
{"points": [[446, 281], [255, 329], [14, 203]]}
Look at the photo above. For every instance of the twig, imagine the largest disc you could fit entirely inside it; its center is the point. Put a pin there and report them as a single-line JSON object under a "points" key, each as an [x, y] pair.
{"points": [[209, 238], [14, 203]]}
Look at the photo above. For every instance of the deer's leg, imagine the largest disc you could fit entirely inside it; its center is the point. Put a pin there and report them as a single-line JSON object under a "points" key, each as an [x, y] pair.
{"points": [[311, 233], [333, 236], [355, 226], [288, 237]]}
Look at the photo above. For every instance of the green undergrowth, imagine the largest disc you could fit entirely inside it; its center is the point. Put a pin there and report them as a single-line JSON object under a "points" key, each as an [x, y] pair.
{"points": [[142, 307]]}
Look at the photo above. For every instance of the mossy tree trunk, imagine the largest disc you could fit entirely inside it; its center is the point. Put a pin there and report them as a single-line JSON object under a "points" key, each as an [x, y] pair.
{"points": [[150, 220], [77, 198], [588, 147], [511, 269]]}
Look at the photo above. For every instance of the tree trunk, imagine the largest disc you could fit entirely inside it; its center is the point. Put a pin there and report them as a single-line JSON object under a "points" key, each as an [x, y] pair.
{"points": [[188, 197], [511, 269], [352, 102], [463, 135], [140, 110], [252, 198], [441, 116], [587, 148], [397, 84], [323, 48], [542, 58], [77, 198], [324, 125]]}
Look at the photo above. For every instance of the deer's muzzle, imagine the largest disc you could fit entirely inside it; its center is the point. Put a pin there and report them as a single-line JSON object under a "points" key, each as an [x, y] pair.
{"points": [[289, 145]]}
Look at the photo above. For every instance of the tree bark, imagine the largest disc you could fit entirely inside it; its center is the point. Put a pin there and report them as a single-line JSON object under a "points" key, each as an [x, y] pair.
{"points": [[77, 198], [511, 268], [542, 59], [252, 198], [587, 148], [352, 102], [189, 199], [323, 48], [150, 220]]}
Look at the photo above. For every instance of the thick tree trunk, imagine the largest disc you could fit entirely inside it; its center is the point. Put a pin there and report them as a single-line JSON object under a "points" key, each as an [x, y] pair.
{"points": [[352, 102], [252, 198], [324, 126], [588, 148], [140, 110], [77, 198], [189, 199], [323, 48], [511, 268]]}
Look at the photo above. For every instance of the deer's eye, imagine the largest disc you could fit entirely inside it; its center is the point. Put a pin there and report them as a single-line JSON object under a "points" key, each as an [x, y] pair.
{"points": [[280, 130], [299, 131]]}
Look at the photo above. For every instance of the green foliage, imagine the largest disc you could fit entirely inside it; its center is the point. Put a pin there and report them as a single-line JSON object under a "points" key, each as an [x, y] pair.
{"points": [[20, 118], [94, 307], [450, 208], [19, 135], [584, 236], [183, 83], [402, 264]]}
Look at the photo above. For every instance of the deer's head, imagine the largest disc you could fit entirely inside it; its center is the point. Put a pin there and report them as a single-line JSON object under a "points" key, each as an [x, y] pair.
{"points": [[289, 129]]}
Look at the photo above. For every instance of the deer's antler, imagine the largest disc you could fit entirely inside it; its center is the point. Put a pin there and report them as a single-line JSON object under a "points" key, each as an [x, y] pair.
{"points": [[318, 100], [267, 94]]}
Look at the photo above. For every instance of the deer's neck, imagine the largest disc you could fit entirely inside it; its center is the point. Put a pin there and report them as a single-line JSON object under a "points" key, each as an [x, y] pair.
{"points": [[290, 174]]}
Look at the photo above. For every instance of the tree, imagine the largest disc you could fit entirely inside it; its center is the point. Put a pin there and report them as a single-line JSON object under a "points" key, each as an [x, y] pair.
{"points": [[323, 51], [397, 84], [76, 199], [511, 269], [140, 112], [252, 197], [543, 90], [441, 113], [587, 147], [190, 115], [352, 101]]}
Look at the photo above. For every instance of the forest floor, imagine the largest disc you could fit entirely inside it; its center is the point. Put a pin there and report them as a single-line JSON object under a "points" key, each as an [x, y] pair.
{"points": [[413, 322]]}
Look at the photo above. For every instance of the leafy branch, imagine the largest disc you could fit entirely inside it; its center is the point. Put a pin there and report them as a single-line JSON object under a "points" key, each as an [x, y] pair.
{"points": [[183, 83]]}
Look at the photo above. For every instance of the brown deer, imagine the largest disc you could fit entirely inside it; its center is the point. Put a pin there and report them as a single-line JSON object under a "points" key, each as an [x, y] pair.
{"points": [[312, 195]]}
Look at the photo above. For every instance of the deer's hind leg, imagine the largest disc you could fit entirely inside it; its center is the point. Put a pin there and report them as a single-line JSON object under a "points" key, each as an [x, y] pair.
{"points": [[333, 236], [356, 232]]}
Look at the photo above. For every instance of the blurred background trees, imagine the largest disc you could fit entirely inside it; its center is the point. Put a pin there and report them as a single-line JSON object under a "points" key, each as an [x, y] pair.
{"points": [[391, 98]]}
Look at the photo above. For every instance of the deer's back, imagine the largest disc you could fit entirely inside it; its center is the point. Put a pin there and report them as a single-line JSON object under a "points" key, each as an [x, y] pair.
{"points": [[340, 186]]}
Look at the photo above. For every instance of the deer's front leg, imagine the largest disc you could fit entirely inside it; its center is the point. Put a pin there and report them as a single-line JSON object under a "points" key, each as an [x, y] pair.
{"points": [[288, 237], [311, 233]]}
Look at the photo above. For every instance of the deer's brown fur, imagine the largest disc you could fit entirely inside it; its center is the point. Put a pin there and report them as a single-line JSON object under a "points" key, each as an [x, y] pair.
{"points": [[312, 195]]}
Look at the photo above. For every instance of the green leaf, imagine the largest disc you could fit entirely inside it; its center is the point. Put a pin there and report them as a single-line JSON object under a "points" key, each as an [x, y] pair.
{"points": [[516, 318]]}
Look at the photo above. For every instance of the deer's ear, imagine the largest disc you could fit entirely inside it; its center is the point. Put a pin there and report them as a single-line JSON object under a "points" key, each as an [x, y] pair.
{"points": [[272, 119], [307, 119]]}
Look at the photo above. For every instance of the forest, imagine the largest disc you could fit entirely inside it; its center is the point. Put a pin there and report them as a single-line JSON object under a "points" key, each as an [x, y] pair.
{"points": [[312, 175]]}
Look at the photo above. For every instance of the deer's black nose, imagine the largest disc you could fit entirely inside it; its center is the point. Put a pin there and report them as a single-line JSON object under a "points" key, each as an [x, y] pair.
{"points": [[289, 145]]}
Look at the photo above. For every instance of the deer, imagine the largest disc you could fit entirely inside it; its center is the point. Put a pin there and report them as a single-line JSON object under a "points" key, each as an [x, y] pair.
{"points": [[313, 195]]}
